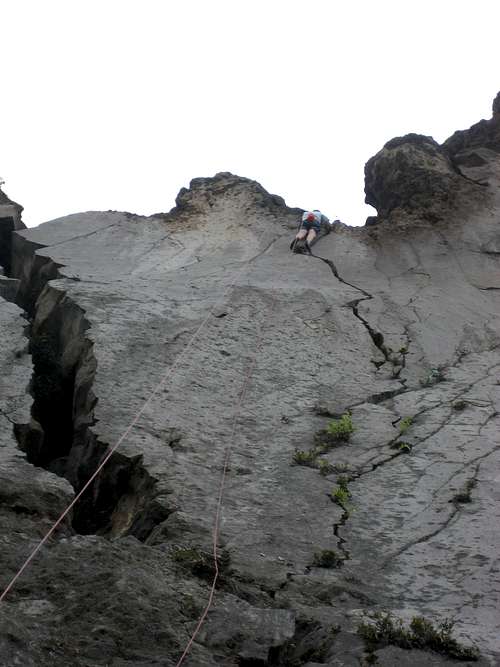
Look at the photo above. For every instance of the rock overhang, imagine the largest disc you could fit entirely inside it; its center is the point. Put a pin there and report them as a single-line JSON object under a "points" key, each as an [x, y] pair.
{"points": [[204, 193]]}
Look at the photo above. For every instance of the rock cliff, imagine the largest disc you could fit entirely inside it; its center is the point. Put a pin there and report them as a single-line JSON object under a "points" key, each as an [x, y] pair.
{"points": [[349, 401]]}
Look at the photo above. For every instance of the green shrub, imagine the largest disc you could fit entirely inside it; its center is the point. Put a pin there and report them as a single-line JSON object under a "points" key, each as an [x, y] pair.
{"points": [[420, 635], [341, 429], [341, 495], [425, 635], [336, 433], [343, 481]]}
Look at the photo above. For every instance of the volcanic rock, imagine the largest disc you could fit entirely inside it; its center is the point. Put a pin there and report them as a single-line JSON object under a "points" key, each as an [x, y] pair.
{"points": [[10, 220], [412, 173], [209, 362], [485, 134]]}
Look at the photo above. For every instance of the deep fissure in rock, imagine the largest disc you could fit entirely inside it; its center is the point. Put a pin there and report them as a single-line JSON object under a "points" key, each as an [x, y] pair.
{"points": [[122, 498], [378, 340], [52, 391], [376, 336], [341, 540], [6, 229]]}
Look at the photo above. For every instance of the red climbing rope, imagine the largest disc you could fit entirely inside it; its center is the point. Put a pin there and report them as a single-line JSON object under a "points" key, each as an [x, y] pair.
{"points": [[165, 377], [216, 527]]}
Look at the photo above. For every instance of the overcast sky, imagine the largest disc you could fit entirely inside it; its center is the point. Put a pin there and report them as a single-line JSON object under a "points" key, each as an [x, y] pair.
{"points": [[117, 104]]}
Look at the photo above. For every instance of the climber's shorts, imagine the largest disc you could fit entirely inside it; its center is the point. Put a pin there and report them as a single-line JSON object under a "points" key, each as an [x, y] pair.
{"points": [[312, 225]]}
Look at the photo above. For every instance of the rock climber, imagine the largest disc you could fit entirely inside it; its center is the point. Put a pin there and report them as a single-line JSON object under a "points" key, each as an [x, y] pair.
{"points": [[310, 227]]}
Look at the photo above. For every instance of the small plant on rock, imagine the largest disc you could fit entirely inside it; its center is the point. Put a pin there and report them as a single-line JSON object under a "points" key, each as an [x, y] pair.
{"points": [[305, 458], [341, 467], [421, 634], [343, 481], [439, 639], [341, 429], [325, 468], [327, 559], [405, 424], [404, 447], [200, 563], [341, 495], [336, 433], [464, 496]]}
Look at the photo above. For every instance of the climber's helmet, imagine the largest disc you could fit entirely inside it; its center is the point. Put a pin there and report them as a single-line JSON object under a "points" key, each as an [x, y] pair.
{"points": [[310, 217]]}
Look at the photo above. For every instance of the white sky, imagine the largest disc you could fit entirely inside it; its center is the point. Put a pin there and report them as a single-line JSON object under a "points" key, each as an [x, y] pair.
{"points": [[117, 104]]}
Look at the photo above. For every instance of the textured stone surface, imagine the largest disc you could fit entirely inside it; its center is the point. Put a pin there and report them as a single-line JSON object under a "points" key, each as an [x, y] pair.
{"points": [[10, 220], [399, 324], [485, 134], [412, 173], [30, 498]]}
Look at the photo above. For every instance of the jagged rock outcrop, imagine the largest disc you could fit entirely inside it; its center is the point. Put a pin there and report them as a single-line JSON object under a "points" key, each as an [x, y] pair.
{"points": [[482, 135], [200, 325], [11, 209], [205, 193], [415, 176], [10, 220]]}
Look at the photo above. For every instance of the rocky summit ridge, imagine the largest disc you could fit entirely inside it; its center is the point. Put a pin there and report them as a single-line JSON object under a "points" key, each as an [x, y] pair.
{"points": [[359, 520]]}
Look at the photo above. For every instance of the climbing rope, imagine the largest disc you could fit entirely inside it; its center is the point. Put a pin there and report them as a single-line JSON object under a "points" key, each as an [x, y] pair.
{"points": [[216, 525], [219, 505], [169, 372]]}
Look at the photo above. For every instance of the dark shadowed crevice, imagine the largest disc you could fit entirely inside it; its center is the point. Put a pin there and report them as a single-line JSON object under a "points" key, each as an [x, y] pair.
{"points": [[378, 340], [122, 499], [6, 229], [342, 542], [376, 336], [311, 643], [52, 388]]}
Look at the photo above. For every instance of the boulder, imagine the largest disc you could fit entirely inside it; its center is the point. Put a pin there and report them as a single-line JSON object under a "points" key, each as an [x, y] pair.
{"points": [[412, 173]]}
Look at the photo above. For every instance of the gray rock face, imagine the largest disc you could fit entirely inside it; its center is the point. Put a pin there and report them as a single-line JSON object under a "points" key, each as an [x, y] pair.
{"points": [[496, 106], [224, 351], [10, 220]]}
